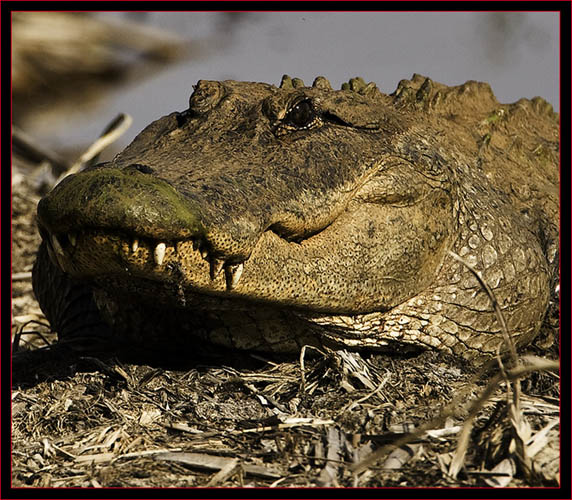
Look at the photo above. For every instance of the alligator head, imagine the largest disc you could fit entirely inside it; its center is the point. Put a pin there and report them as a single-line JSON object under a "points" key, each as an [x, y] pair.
{"points": [[304, 200]]}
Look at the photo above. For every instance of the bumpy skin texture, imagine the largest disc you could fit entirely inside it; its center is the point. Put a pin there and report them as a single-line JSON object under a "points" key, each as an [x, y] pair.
{"points": [[265, 218]]}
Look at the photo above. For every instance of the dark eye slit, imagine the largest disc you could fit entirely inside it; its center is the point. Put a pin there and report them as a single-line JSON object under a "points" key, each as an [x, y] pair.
{"points": [[330, 117]]}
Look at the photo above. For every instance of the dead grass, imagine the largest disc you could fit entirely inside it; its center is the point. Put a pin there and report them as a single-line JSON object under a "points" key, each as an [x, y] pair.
{"points": [[105, 423]]}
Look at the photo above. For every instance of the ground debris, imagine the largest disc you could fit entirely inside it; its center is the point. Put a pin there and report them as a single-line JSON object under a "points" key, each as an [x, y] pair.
{"points": [[214, 463], [204, 427]]}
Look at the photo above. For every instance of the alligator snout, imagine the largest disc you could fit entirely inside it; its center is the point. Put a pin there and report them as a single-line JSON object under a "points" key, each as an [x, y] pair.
{"points": [[127, 200], [146, 212]]}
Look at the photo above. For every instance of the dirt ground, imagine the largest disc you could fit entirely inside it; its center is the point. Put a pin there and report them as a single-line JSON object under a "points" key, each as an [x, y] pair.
{"points": [[241, 420]]}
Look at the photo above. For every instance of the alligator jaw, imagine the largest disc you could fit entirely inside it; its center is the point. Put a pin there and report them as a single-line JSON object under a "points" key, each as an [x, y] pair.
{"points": [[71, 251]]}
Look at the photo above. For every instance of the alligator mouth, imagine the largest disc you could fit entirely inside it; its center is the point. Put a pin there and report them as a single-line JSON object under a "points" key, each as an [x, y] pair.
{"points": [[157, 273], [98, 252]]}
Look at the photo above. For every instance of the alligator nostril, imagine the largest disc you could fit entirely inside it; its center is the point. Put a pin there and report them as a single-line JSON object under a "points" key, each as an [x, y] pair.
{"points": [[144, 169], [182, 118]]}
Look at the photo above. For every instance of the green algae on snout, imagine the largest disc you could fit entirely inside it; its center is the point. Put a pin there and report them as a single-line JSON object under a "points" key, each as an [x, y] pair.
{"points": [[119, 199]]}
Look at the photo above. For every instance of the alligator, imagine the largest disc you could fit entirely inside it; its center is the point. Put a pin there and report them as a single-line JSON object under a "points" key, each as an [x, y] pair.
{"points": [[267, 218]]}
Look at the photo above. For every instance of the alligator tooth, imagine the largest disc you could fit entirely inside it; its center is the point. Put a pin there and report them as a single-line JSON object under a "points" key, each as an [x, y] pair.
{"points": [[216, 267], [73, 238], [57, 247], [204, 253], [159, 253], [134, 245], [233, 274], [51, 254], [59, 252]]}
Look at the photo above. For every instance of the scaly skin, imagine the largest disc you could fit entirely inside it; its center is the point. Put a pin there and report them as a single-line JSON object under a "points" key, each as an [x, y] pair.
{"points": [[265, 218]]}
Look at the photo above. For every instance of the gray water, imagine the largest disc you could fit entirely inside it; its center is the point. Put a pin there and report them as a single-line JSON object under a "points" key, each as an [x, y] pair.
{"points": [[517, 53]]}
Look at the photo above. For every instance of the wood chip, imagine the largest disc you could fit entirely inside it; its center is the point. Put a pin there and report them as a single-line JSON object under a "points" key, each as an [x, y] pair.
{"points": [[216, 463], [445, 431], [25, 275], [400, 456], [505, 470], [540, 439], [227, 471], [336, 439], [96, 459], [149, 416]]}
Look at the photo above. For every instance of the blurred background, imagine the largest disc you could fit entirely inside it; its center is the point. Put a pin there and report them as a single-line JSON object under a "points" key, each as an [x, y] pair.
{"points": [[73, 73]]}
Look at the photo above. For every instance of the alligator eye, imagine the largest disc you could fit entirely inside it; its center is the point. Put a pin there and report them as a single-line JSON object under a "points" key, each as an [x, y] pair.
{"points": [[301, 115]]}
